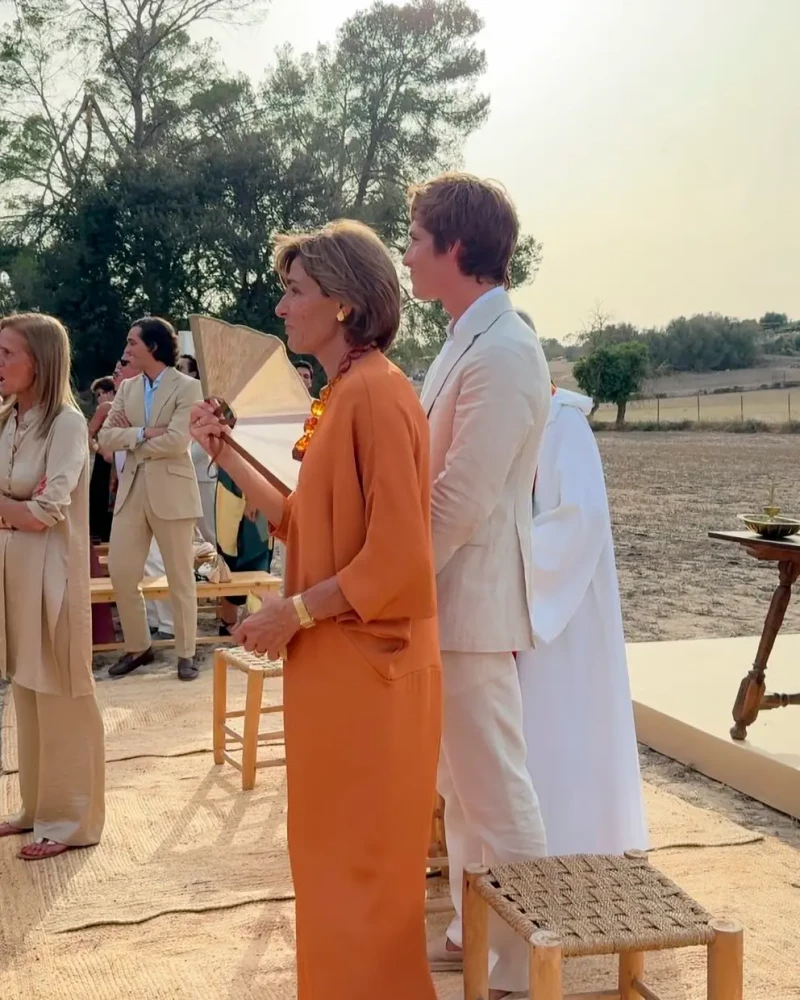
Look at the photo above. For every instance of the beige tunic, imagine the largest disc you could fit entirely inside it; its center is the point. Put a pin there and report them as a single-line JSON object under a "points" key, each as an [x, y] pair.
{"points": [[45, 603]]}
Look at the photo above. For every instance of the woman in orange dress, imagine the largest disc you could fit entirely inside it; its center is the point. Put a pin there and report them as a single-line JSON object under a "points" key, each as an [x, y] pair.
{"points": [[362, 679]]}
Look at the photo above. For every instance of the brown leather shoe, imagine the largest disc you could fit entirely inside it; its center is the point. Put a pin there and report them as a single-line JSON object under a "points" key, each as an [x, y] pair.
{"points": [[187, 669], [130, 662]]}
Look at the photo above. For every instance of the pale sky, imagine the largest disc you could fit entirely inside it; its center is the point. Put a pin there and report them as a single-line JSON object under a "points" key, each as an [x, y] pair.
{"points": [[653, 146]]}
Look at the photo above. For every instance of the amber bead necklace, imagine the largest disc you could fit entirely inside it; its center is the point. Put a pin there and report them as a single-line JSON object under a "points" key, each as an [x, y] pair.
{"points": [[318, 405]]}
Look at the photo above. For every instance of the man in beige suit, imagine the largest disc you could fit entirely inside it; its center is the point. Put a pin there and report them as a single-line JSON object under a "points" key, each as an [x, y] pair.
{"points": [[157, 493], [487, 396]]}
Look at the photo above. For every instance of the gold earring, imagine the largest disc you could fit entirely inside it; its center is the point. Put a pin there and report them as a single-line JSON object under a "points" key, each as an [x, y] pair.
{"points": [[341, 315]]}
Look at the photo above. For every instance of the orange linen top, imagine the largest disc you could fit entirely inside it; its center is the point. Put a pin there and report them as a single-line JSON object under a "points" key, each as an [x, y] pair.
{"points": [[361, 512]]}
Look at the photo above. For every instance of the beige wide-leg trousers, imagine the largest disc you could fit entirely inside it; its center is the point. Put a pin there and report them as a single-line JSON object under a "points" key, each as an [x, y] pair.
{"points": [[61, 767], [132, 530], [491, 812]]}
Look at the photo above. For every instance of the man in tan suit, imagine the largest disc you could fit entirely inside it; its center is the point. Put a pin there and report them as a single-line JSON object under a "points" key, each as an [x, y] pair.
{"points": [[487, 397], [157, 493]]}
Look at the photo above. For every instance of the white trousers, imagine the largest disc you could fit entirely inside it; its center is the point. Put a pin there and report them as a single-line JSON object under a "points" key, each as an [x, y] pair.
{"points": [[492, 813], [159, 613]]}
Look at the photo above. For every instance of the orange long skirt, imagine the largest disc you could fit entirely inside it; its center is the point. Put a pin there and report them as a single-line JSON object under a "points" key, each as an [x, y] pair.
{"points": [[361, 757]]}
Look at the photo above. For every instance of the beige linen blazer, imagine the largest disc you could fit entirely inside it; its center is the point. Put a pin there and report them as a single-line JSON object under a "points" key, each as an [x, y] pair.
{"points": [[164, 462], [488, 403]]}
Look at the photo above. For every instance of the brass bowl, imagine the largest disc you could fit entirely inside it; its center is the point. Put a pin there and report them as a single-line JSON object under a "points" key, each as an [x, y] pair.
{"points": [[771, 527]]}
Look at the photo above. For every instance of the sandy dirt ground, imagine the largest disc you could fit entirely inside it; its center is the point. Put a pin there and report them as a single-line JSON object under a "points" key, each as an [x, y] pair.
{"points": [[666, 491]]}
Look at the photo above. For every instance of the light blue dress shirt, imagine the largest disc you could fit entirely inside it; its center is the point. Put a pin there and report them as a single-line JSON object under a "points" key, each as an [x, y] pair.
{"points": [[150, 389]]}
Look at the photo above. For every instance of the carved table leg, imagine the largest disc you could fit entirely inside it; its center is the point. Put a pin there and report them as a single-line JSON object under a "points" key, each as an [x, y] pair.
{"points": [[751, 690]]}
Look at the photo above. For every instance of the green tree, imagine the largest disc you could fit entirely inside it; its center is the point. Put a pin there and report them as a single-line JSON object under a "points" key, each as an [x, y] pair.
{"points": [[389, 103], [140, 176], [773, 321], [88, 82], [704, 343], [612, 333], [613, 375], [552, 348]]}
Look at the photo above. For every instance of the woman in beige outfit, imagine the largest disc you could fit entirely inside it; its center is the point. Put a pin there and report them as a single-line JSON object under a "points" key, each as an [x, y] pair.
{"points": [[45, 609]]}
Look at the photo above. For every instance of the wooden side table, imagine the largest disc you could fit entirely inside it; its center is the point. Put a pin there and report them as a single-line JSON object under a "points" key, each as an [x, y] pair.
{"points": [[753, 697]]}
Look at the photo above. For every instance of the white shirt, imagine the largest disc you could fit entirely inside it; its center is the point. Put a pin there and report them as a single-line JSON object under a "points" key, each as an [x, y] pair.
{"points": [[453, 329], [464, 317]]}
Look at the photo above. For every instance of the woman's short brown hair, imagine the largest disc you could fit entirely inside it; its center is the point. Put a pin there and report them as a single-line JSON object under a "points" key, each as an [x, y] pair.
{"points": [[48, 344], [477, 214], [103, 384], [349, 262]]}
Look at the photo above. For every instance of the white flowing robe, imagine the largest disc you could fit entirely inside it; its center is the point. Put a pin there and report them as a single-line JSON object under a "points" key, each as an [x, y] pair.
{"points": [[577, 710]]}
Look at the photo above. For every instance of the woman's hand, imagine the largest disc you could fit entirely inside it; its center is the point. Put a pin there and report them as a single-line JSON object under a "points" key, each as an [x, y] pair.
{"points": [[207, 428], [41, 486], [118, 419], [269, 630]]}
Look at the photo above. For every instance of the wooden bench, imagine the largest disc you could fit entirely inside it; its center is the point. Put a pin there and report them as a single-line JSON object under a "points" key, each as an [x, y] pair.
{"points": [[157, 589]]}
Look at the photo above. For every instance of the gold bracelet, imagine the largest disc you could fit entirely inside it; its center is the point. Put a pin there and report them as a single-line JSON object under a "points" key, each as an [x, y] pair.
{"points": [[306, 621]]}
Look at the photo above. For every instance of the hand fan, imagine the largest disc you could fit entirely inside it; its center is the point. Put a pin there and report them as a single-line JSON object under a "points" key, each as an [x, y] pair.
{"points": [[260, 394]]}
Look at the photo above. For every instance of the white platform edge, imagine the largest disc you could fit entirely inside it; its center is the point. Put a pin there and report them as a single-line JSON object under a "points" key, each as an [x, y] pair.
{"points": [[701, 739]]}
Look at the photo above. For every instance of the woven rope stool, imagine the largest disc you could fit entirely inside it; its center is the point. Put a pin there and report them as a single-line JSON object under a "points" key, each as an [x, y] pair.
{"points": [[257, 669], [592, 905]]}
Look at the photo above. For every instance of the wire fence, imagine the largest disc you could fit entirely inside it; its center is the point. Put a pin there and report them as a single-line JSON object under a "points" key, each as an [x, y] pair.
{"points": [[769, 406]]}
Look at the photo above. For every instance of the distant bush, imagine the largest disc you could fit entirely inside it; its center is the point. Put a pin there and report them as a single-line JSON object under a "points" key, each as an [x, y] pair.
{"points": [[726, 427], [749, 427]]}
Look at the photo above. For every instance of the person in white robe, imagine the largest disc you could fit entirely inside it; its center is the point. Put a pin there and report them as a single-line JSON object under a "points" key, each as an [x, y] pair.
{"points": [[207, 484], [205, 471], [577, 710], [159, 613]]}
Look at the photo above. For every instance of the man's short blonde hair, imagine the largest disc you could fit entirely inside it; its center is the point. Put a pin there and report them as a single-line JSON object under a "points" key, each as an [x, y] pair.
{"points": [[477, 214]]}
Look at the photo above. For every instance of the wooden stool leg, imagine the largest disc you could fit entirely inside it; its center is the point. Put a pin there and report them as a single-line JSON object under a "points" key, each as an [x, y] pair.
{"points": [[437, 852], [252, 721], [545, 982], [438, 827], [220, 707], [726, 961], [475, 937], [631, 969]]}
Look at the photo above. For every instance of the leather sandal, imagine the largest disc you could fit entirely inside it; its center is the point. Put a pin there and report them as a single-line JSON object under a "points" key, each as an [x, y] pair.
{"points": [[8, 830], [46, 849]]}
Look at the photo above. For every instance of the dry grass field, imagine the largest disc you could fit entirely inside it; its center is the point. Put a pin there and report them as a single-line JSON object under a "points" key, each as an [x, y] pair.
{"points": [[771, 406], [666, 492]]}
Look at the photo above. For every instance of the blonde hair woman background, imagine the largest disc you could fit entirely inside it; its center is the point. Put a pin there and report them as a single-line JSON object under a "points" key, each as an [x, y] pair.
{"points": [[45, 621]]}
